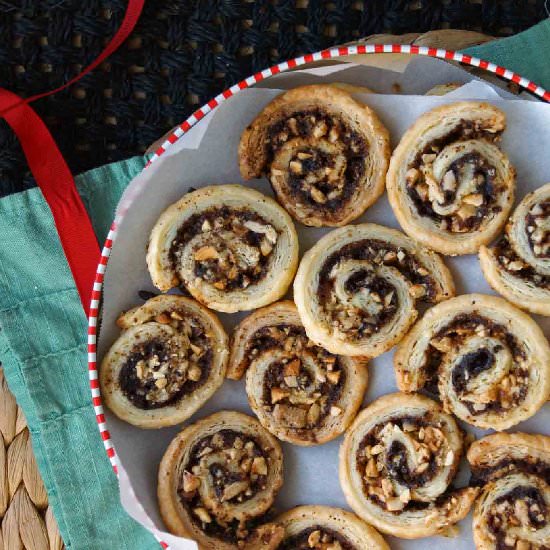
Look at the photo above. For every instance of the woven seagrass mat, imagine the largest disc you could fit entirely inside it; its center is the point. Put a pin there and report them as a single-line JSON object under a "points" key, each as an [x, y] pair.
{"points": [[182, 53], [26, 520]]}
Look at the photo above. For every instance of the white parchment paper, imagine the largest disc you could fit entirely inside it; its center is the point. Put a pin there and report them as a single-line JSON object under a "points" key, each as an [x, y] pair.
{"points": [[209, 156]]}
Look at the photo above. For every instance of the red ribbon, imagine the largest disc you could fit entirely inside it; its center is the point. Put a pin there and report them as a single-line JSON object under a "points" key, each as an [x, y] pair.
{"points": [[52, 173]]}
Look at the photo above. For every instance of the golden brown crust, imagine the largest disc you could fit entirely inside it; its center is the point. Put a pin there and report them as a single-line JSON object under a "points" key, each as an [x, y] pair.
{"points": [[168, 361], [513, 510], [325, 154], [282, 312], [188, 503], [414, 431], [518, 265], [203, 242], [489, 450], [316, 521], [356, 290], [449, 185], [489, 360], [300, 392]]}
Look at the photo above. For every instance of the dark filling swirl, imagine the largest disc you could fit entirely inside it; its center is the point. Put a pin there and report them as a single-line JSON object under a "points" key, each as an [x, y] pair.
{"points": [[538, 230], [159, 373], [522, 506], [237, 474], [514, 265], [328, 162], [512, 389], [381, 468], [378, 253], [301, 389], [236, 250], [317, 537], [482, 199]]}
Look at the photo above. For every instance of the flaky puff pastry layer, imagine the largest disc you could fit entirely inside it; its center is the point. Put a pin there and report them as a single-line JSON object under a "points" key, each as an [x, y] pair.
{"points": [[325, 154]]}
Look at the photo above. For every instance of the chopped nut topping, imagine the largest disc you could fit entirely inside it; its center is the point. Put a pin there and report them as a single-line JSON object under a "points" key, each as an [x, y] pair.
{"points": [[522, 511], [412, 176], [259, 466], [313, 414], [376, 450], [428, 158], [194, 374], [234, 489], [320, 130], [161, 383], [466, 211], [334, 376], [203, 515], [277, 394], [292, 368], [449, 181], [318, 196], [288, 415], [394, 504], [335, 411], [405, 496], [371, 469], [295, 167], [163, 319], [206, 253], [314, 538], [417, 291], [291, 381], [190, 482], [475, 199]]}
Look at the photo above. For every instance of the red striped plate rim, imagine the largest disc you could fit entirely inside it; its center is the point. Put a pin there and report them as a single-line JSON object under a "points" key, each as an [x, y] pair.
{"points": [[333, 53]]}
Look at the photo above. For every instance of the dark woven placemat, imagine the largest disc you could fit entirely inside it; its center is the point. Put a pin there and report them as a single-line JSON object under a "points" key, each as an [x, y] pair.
{"points": [[182, 53]]}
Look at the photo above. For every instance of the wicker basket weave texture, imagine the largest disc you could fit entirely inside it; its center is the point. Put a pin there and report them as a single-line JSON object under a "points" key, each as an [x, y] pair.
{"points": [[26, 520]]}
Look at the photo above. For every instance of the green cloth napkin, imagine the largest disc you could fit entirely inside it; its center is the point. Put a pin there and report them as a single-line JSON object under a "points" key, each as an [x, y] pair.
{"points": [[43, 336], [526, 53], [43, 352]]}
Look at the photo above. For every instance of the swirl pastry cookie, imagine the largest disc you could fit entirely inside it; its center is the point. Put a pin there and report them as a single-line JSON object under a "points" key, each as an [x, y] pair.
{"points": [[300, 392], [323, 528], [217, 479], [356, 290], [325, 154], [513, 511], [168, 361], [231, 247], [449, 185], [518, 264], [489, 361], [396, 464]]}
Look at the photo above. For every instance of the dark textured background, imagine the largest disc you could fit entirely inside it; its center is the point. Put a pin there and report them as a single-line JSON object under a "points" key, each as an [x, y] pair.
{"points": [[181, 54]]}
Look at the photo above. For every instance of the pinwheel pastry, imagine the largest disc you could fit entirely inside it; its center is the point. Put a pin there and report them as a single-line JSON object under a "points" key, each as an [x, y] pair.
{"points": [[518, 264], [488, 361], [300, 392], [325, 154], [356, 290], [397, 462], [217, 480], [169, 360], [231, 247], [325, 528], [513, 511], [450, 186]]}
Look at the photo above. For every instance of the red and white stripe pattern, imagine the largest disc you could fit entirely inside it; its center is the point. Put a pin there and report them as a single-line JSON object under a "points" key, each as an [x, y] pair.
{"points": [[333, 53]]}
